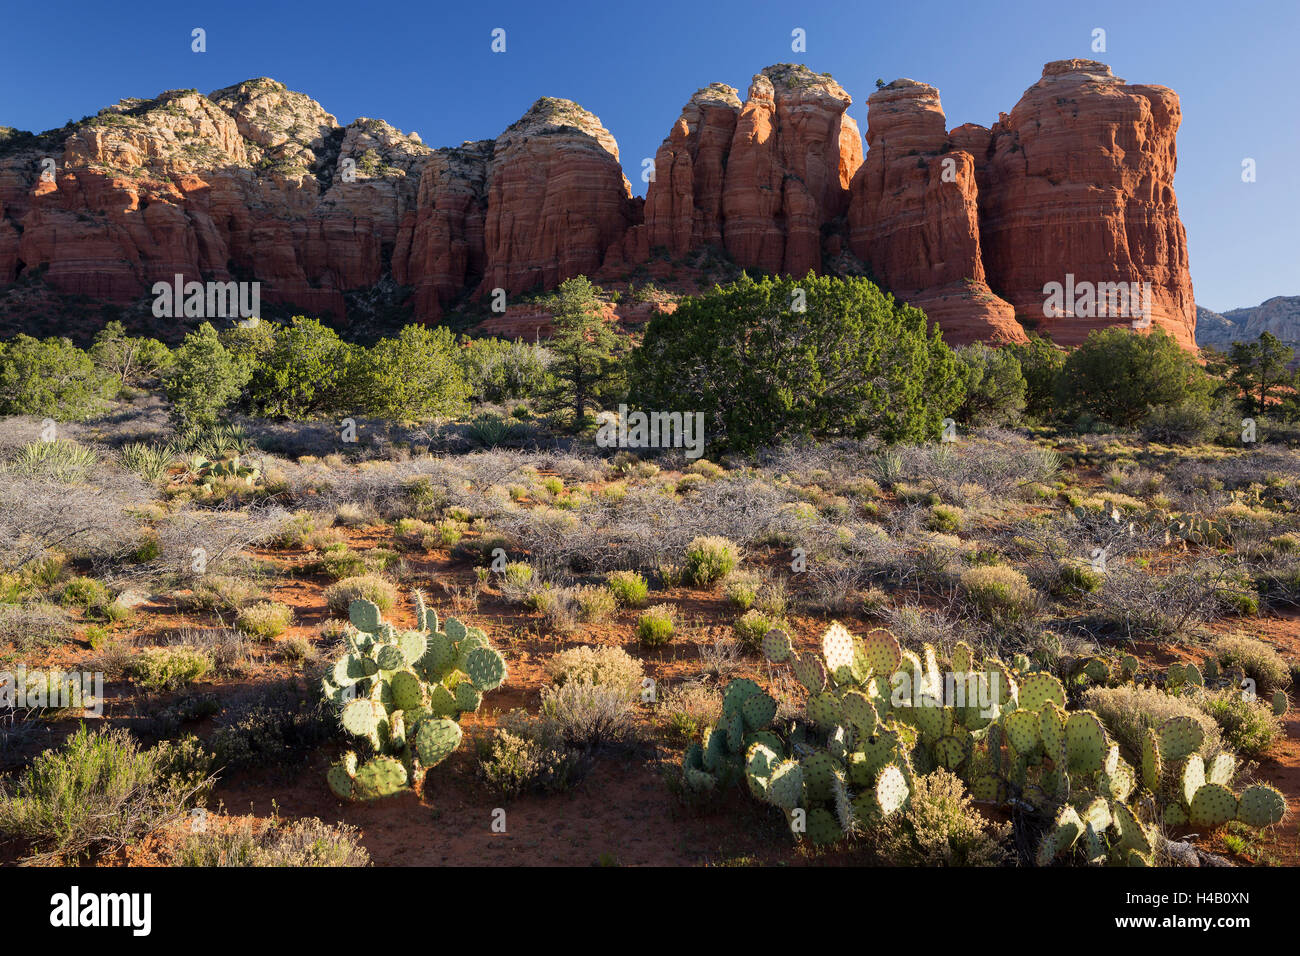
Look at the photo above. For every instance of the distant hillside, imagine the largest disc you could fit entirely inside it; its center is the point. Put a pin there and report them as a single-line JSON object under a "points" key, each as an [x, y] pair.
{"points": [[1279, 315]]}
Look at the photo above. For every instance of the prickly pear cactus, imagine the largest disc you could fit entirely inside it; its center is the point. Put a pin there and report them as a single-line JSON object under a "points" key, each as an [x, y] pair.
{"points": [[400, 694], [875, 714]]}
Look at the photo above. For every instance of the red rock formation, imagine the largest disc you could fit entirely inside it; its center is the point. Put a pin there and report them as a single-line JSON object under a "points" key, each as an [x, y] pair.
{"points": [[683, 206], [760, 180], [914, 217], [792, 158], [557, 199], [1081, 182], [249, 180], [259, 182], [441, 246]]}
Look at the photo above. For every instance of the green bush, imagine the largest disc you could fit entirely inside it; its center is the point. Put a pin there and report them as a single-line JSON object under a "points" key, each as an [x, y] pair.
{"points": [[945, 518], [853, 363], [1258, 660], [98, 791], [709, 559], [204, 378], [1040, 364], [1118, 375], [998, 592], [127, 360], [304, 374], [628, 587], [167, 668], [1249, 726], [526, 753], [371, 587], [265, 620], [751, 627], [654, 628], [50, 377], [249, 841], [939, 827], [995, 386], [501, 371], [604, 666], [413, 377]]}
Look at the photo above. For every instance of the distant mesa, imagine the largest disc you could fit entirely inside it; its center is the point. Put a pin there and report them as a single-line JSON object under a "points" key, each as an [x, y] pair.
{"points": [[256, 181], [1279, 316]]}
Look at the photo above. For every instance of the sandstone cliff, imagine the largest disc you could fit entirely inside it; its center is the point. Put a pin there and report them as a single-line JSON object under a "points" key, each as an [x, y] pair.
{"points": [[1080, 181], [255, 181], [914, 216]]}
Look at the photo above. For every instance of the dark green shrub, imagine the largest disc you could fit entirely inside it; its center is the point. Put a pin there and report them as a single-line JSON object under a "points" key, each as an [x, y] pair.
{"points": [[50, 377], [853, 362], [1118, 375]]}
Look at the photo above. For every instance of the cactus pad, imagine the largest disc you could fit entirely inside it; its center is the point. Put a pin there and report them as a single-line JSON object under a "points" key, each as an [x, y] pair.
{"points": [[758, 711], [825, 711], [1152, 763], [1051, 728], [785, 785], [860, 712], [467, 696], [777, 646], [736, 693], [486, 668], [413, 644], [352, 668], [1213, 806], [1180, 736], [436, 740], [379, 777], [1221, 769], [389, 657], [1021, 727], [819, 770], [406, 691], [1085, 742], [340, 775], [810, 671], [365, 616], [1038, 688], [837, 649], [1261, 805], [882, 652], [823, 828], [361, 717]]}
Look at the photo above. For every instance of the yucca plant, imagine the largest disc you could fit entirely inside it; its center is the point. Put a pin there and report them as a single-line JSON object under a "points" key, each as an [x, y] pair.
{"points": [[63, 461], [148, 460]]}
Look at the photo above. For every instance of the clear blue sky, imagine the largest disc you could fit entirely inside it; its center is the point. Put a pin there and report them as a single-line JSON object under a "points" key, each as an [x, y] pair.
{"points": [[427, 66]]}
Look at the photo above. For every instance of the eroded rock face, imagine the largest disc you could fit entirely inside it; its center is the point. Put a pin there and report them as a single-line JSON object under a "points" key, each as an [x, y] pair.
{"points": [[792, 158], [254, 182], [683, 206], [914, 216], [557, 199], [441, 248], [1080, 182], [259, 182], [759, 179]]}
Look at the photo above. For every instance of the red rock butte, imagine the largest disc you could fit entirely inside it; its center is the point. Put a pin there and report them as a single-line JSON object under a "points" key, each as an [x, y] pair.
{"points": [[258, 182]]}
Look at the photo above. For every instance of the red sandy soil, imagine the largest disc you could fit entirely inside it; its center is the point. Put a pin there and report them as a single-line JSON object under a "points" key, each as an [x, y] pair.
{"points": [[622, 811]]}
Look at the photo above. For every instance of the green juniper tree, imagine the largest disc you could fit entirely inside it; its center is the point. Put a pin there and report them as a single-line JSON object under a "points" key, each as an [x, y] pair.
{"points": [[585, 349]]}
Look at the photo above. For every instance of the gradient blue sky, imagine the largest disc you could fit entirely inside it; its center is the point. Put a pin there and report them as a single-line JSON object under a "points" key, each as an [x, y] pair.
{"points": [[428, 67]]}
